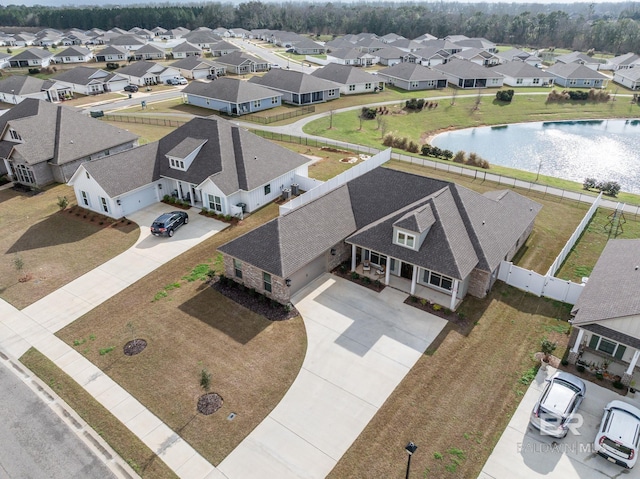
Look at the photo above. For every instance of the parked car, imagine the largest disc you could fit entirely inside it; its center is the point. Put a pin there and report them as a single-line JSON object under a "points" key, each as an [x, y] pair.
{"points": [[167, 223], [619, 434], [172, 81], [131, 88], [560, 399], [182, 81]]}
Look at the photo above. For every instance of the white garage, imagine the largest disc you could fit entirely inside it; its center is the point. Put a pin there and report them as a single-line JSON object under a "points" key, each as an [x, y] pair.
{"points": [[138, 199]]}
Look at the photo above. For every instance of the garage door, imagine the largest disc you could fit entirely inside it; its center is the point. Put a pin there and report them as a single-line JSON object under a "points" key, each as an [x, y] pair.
{"points": [[305, 275], [200, 74], [138, 200]]}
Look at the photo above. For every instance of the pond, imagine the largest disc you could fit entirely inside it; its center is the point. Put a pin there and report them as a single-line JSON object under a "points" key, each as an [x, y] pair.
{"points": [[607, 150]]}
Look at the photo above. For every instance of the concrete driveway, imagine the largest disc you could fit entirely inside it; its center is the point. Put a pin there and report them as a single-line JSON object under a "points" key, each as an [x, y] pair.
{"points": [[361, 344], [523, 453]]}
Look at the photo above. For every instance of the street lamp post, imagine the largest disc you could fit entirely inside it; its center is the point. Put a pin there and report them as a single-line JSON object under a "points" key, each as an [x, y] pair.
{"points": [[410, 448], [539, 167]]}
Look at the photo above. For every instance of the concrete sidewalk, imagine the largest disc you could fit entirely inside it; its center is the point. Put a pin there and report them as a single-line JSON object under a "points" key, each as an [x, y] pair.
{"points": [[35, 326]]}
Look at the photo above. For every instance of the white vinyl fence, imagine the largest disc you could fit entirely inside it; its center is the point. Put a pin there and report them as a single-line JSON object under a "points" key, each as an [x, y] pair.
{"points": [[547, 285], [337, 181]]}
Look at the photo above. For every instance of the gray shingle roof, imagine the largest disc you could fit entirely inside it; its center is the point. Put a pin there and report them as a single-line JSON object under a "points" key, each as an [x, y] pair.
{"points": [[81, 75], [411, 72], [127, 39], [390, 52], [238, 58], [382, 197], [232, 158], [418, 220], [138, 69], [466, 69], [192, 63], [575, 71], [231, 90], [612, 289], [73, 51], [185, 47], [59, 134], [293, 81], [609, 333], [21, 85], [187, 146], [112, 50], [32, 54], [521, 70], [149, 48], [344, 74], [346, 53]]}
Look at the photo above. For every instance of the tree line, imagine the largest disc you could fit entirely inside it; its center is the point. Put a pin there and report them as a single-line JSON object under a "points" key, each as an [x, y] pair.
{"points": [[605, 27]]}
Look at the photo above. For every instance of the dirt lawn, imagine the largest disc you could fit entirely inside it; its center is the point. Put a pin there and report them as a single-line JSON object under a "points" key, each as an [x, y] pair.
{"points": [[53, 247]]}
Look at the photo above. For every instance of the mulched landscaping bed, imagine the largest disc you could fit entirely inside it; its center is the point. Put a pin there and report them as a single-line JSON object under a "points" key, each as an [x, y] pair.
{"points": [[79, 213], [254, 302], [589, 376], [376, 285], [134, 347], [209, 403], [460, 323]]}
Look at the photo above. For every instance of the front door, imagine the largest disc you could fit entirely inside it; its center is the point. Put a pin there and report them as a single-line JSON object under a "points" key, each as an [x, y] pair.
{"points": [[406, 270]]}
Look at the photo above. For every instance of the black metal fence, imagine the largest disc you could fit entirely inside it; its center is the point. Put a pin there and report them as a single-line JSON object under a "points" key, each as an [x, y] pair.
{"points": [[265, 120], [143, 120]]}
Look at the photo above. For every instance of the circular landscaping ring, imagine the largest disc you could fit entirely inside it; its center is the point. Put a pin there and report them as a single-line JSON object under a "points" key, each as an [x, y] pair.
{"points": [[209, 403], [134, 347]]}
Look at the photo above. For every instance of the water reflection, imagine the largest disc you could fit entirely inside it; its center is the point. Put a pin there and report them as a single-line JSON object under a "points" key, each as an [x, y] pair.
{"points": [[573, 150]]}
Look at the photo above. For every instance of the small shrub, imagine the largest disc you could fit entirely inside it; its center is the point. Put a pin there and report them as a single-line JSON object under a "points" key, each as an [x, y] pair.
{"points": [[167, 198], [63, 202], [436, 307], [618, 385], [366, 280], [355, 275], [388, 140], [368, 113], [205, 379], [589, 183], [34, 71], [548, 347], [505, 95], [580, 368], [413, 147], [564, 362], [426, 149], [414, 299], [104, 351], [599, 375], [460, 157]]}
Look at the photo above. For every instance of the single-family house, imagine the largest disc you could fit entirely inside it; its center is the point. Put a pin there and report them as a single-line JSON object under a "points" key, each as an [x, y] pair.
{"points": [[231, 96], [32, 57], [143, 33], [479, 43], [196, 68], [446, 45], [174, 33], [420, 232], [202, 39], [17, 88], [518, 73], [308, 47], [221, 32], [241, 63], [478, 56], [298, 88], [413, 76], [149, 52], [222, 48], [353, 56], [209, 162], [606, 317], [406, 45], [239, 33], [158, 31], [352, 80], [42, 143], [425, 37], [628, 77], [75, 37], [90, 81], [465, 74], [622, 62], [389, 56], [128, 42], [112, 54], [185, 50], [23, 39], [431, 56], [144, 73], [517, 55], [4, 60], [580, 58], [73, 54], [390, 38], [370, 45], [577, 75]]}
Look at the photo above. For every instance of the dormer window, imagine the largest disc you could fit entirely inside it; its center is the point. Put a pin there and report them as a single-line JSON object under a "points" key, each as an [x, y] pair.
{"points": [[14, 135], [177, 164], [405, 239]]}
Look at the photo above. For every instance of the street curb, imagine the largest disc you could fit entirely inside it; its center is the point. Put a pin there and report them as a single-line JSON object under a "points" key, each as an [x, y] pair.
{"points": [[76, 424]]}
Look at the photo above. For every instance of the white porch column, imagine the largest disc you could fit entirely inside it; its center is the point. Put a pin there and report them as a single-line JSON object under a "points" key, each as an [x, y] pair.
{"points": [[633, 362], [387, 272], [353, 257], [414, 280], [192, 195], [179, 190], [576, 345], [454, 294]]}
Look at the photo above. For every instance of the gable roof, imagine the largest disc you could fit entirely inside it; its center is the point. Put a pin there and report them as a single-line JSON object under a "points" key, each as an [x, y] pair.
{"points": [[127, 39], [344, 74], [521, 69], [390, 52], [149, 48], [612, 289], [575, 71], [112, 50], [293, 81], [230, 89], [231, 157], [458, 240], [59, 134], [193, 63], [21, 85], [411, 72], [139, 68], [83, 75], [32, 54], [466, 69], [73, 51], [575, 57], [185, 47], [238, 58]]}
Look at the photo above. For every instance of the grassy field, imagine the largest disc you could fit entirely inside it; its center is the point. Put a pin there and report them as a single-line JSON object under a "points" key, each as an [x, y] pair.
{"points": [[52, 247], [190, 327]]}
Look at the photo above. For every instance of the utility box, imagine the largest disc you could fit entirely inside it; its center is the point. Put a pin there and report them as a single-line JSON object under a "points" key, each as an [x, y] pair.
{"points": [[96, 114], [295, 189]]}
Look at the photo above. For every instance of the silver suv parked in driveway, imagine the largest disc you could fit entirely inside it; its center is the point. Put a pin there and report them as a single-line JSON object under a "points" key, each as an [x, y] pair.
{"points": [[560, 399], [619, 434]]}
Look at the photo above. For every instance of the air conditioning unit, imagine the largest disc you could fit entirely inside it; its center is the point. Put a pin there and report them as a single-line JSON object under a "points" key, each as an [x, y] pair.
{"points": [[286, 194], [295, 189]]}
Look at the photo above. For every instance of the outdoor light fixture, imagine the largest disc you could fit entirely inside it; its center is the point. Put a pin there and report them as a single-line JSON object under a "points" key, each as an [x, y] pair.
{"points": [[410, 448], [333, 251], [287, 282], [118, 201], [159, 186]]}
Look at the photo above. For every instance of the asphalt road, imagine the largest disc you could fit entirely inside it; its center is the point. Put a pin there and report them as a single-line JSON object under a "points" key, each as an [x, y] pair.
{"points": [[267, 54], [35, 443]]}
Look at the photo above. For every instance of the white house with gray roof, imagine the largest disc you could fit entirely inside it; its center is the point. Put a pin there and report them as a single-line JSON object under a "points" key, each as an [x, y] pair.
{"points": [[622, 62], [17, 88], [413, 76], [606, 317], [42, 143], [422, 232], [466, 74], [577, 75], [73, 54], [149, 52], [90, 81], [352, 80], [112, 54], [145, 73], [628, 77], [231, 96], [32, 57], [185, 50], [299, 88], [241, 63], [519, 73], [197, 68], [209, 162]]}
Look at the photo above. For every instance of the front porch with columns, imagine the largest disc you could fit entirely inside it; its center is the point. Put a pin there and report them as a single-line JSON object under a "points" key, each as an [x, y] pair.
{"points": [[185, 191], [411, 286]]}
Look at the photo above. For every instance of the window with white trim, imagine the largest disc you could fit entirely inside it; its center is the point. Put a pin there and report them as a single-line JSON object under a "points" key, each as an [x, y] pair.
{"points": [[14, 135], [266, 281], [352, 88], [518, 81], [104, 204], [24, 174], [367, 86], [274, 100], [256, 103], [607, 346], [414, 84], [237, 268], [267, 189], [437, 280], [85, 198], [215, 203], [536, 81], [405, 239]]}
